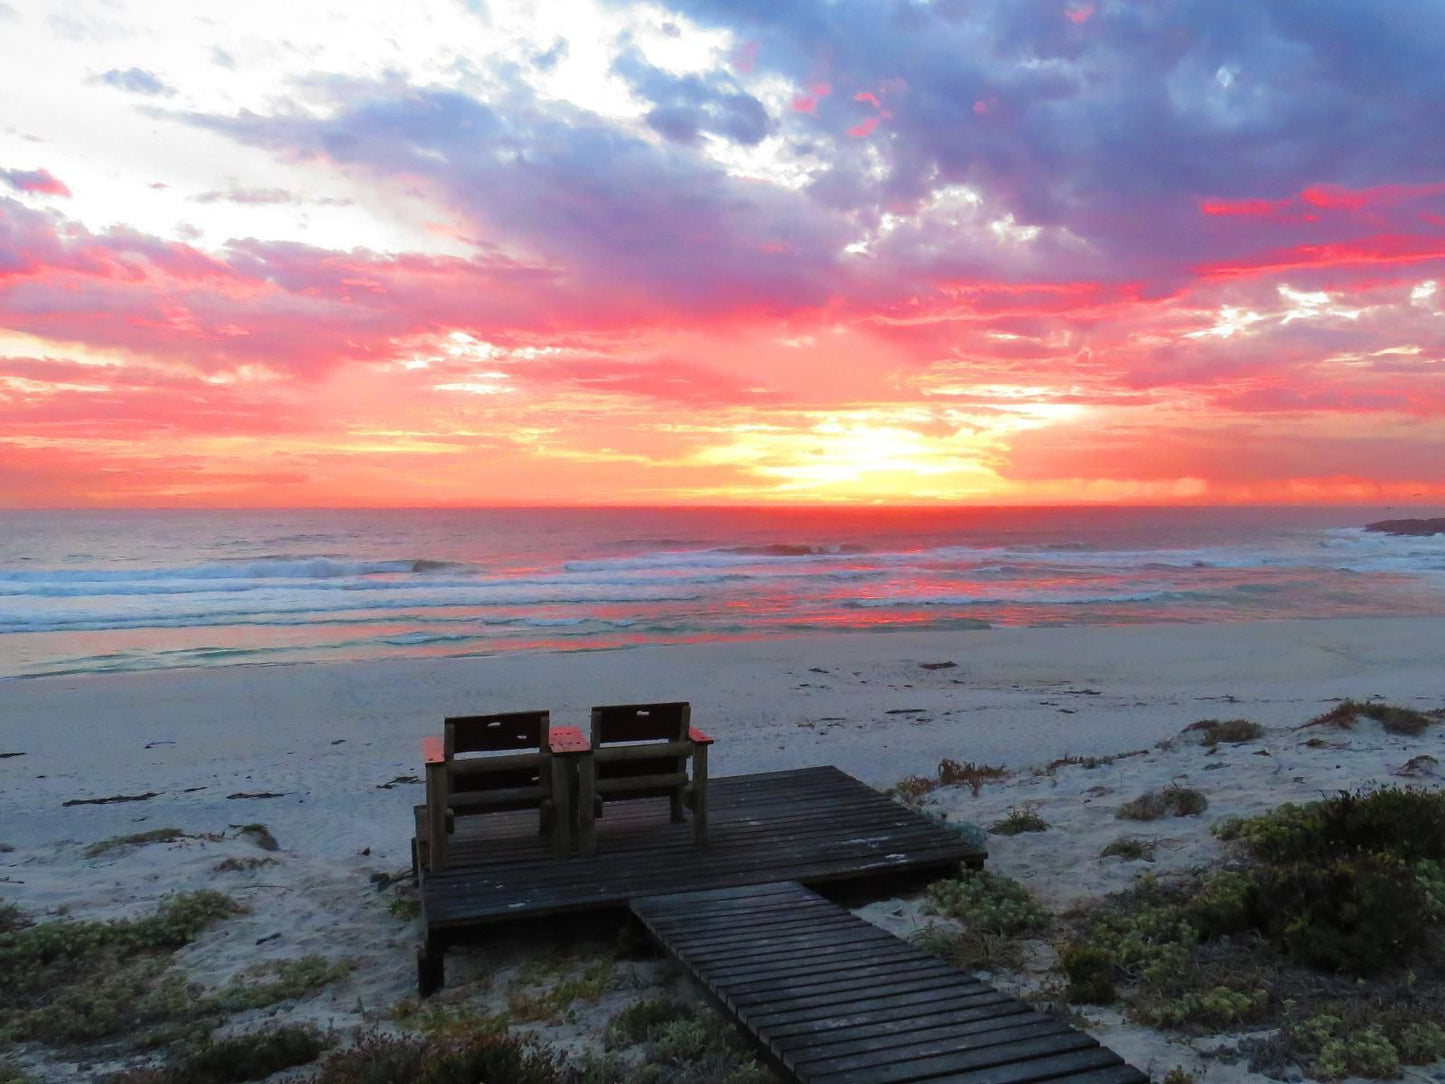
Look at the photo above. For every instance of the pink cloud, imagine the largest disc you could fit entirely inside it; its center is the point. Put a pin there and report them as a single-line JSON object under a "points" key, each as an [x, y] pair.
{"points": [[745, 57], [1364, 251], [34, 181], [808, 103], [865, 127]]}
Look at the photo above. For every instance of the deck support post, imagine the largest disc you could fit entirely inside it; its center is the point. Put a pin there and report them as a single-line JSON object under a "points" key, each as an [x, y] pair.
{"points": [[430, 965]]}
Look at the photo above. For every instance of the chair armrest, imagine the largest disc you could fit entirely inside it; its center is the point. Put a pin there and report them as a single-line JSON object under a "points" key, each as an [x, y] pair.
{"points": [[567, 741], [433, 751], [697, 737]]}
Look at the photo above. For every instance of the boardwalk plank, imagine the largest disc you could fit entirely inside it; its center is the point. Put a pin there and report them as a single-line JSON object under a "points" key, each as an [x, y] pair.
{"points": [[835, 1000]]}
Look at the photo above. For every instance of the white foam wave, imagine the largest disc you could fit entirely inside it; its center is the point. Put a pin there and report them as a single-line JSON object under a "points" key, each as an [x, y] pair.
{"points": [[299, 568], [1041, 598]]}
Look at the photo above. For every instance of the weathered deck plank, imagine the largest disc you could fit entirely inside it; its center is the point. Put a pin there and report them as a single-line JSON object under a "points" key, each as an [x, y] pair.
{"points": [[835, 1000], [813, 825]]}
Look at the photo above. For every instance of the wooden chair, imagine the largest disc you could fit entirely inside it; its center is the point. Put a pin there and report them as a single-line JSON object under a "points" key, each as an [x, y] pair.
{"points": [[641, 751], [523, 763]]}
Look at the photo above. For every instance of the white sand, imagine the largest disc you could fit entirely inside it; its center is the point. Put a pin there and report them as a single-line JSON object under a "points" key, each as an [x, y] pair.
{"points": [[327, 736]]}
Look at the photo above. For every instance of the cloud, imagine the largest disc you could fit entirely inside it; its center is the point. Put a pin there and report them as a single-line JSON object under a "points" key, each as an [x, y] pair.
{"points": [[34, 181], [686, 106], [262, 196], [647, 225], [134, 80]]}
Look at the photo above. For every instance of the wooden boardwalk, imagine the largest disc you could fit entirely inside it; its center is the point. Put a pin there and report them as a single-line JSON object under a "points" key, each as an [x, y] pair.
{"points": [[834, 1000], [813, 825]]}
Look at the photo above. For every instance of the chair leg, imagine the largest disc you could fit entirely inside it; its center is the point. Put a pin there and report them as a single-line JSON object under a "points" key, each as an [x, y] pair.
{"points": [[675, 798], [586, 806], [699, 795], [559, 809], [437, 818]]}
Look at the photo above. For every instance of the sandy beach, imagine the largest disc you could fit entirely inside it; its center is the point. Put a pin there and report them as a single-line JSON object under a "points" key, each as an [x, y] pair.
{"points": [[328, 756]]}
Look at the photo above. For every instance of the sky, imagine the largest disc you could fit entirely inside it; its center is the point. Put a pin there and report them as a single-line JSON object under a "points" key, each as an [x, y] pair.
{"points": [[496, 252]]}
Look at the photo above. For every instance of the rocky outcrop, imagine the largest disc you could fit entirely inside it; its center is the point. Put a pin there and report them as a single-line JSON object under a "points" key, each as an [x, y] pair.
{"points": [[1408, 526]]}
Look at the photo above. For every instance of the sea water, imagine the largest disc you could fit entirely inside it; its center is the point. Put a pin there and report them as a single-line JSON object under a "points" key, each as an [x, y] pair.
{"points": [[98, 591]]}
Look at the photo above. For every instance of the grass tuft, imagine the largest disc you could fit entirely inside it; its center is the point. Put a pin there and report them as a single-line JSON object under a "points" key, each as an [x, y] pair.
{"points": [[1132, 850], [1395, 719], [1019, 821], [974, 776], [1212, 732], [1171, 801], [138, 839], [260, 835]]}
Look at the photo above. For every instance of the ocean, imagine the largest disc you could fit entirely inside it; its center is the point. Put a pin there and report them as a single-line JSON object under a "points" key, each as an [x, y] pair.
{"points": [[103, 591]]}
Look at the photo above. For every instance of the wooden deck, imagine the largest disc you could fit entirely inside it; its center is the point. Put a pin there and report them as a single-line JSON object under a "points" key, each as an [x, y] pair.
{"points": [[832, 999], [813, 825]]}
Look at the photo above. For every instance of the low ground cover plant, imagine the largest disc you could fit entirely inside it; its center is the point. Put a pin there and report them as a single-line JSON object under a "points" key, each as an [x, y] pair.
{"points": [[1319, 896], [671, 1043], [987, 901], [237, 1058], [385, 1059]]}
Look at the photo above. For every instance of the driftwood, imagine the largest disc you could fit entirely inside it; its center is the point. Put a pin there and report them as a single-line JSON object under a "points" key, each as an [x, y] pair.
{"points": [[147, 796]]}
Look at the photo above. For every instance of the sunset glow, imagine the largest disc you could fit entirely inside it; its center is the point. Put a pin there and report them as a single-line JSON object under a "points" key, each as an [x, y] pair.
{"points": [[468, 253]]}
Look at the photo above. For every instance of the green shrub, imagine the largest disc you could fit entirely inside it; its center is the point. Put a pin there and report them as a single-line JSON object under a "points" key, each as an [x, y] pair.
{"points": [[1352, 1038], [12, 918], [1404, 822], [1352, 883], [1172, 800], [987, 902], [1212, 732], [1017, 821], [1090, 971], [1359, 914]]}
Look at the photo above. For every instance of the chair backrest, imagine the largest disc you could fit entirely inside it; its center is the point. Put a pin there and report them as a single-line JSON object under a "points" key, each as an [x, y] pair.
{"points": [[498, 733], [640, 722]]}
